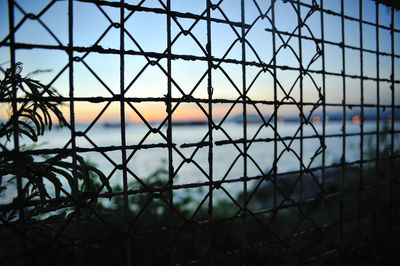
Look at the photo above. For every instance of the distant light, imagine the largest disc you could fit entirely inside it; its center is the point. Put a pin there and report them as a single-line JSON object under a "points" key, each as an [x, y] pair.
{"points": [[356, 119], [316, 119]]}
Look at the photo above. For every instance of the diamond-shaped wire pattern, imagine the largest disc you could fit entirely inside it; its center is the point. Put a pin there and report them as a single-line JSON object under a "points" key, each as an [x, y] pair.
{"points": [[214, 126]]}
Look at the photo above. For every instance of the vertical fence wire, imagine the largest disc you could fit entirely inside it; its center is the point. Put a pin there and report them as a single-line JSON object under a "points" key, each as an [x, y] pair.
{"points": [[343, 159], [324, 117], [123, 133], [244, 104], [275, 80], [169, 105], [392, 134], [361, 172], [210, 90], [377, 150], [302, 117], [75, 187], [20, 193], [169, 122]]}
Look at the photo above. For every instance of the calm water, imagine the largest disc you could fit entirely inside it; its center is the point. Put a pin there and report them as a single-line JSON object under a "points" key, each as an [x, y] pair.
{"points": [[226, 160]]}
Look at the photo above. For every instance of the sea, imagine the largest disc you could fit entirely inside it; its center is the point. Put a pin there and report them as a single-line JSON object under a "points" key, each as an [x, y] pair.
{"points": [[147, 151]]}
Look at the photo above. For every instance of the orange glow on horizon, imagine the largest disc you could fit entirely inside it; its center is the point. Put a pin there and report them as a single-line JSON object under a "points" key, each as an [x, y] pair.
{"points": [[137, 112], [86, 112], [316, 119], [355, 119]]}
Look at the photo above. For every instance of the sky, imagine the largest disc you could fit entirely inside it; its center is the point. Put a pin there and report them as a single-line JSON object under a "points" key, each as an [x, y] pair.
{"points": [[149, 33]]}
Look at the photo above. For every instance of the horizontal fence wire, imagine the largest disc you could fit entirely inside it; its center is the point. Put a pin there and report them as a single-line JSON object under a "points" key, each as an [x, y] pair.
{"points": [[309, 198]]}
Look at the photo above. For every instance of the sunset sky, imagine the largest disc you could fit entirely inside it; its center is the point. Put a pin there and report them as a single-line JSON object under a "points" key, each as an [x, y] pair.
{"points": [[149, 31]]}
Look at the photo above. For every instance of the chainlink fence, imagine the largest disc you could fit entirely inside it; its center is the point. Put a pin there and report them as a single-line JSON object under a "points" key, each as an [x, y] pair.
{"points": [[290, 155]]}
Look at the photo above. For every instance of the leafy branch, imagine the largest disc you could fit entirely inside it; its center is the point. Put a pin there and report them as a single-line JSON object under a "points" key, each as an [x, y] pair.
{"points": [[32, 106]]}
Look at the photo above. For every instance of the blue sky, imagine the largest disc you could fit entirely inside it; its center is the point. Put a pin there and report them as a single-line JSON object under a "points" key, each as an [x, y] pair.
{"points": [[150, 33]]}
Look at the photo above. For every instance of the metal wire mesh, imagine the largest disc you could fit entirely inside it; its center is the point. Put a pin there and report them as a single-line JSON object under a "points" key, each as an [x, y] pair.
{"points": [[320, 210]]}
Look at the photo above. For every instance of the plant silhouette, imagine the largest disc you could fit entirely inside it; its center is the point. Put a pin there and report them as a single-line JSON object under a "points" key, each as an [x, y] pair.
{"points": [[32, 107]]}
